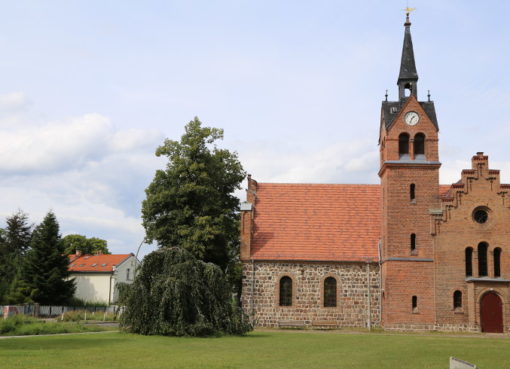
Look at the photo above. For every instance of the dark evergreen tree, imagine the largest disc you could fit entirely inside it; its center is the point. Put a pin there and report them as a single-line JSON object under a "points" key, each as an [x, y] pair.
{"points": [[176, 294], [14, 243], [46, 274], [192, 204]]}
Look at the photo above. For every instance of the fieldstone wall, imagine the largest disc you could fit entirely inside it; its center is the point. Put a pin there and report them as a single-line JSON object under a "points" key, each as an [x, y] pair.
{"points": [[358, 291]]}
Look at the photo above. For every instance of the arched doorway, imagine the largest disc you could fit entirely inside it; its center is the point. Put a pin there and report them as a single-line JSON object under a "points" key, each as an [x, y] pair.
{"points": [[491, 313]]}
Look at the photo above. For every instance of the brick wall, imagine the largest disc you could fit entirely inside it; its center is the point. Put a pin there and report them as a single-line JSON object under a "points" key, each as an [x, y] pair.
{"points": [[457, 230], [260, 298]]}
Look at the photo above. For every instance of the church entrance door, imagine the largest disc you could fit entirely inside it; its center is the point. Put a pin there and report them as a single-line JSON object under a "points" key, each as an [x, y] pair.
{"points": [[491, 313]]}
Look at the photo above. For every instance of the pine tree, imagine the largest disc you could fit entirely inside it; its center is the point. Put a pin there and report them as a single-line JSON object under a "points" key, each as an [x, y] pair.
{"points": [[14, 244], [46, 269]]}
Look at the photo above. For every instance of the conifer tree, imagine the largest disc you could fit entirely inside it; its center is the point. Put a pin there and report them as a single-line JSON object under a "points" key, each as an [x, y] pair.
{"points": [[14, 244], [46, 269]]}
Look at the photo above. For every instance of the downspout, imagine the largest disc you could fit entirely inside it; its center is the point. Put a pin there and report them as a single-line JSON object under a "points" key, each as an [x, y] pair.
{"points": [[369, 320], [110, 287], [110, 290]]}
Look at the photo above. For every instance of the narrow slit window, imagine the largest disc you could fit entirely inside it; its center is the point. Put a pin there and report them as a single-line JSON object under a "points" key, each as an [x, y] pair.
{"points": [[285, 291], [413, 242], [457, 299], [469, 261], [412, 192], [414, 304], [330, 292], [482, 259], [403, 145], [497, 262]]}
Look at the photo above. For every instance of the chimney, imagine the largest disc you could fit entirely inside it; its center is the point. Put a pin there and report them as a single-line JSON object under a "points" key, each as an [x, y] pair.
{"points": [[78, 253]]}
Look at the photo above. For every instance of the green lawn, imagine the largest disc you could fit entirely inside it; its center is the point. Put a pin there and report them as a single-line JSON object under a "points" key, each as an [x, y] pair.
{"points": [[262, 349]]}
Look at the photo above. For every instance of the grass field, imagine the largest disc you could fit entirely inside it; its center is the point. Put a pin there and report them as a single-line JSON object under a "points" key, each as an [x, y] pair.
{"points": [[262, 349]]}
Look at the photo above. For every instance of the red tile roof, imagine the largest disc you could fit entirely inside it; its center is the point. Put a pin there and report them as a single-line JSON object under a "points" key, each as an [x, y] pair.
{"points": [[317, 222], [95, 263]]}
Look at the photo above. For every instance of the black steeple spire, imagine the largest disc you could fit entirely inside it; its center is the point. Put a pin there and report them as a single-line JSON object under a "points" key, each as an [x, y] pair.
{"points": [[408, 77]]}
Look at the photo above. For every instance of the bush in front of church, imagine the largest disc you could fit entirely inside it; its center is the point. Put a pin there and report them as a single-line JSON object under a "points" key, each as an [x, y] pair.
{"points": [[174, 294]]}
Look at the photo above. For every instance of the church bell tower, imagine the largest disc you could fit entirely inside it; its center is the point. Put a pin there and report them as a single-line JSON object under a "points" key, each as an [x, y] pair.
{"points": [[409, 172]]}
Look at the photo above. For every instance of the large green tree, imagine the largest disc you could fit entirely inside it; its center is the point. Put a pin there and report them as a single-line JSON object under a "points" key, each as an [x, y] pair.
{"points": [[14, 243], [77, 242], [191, 204], [45, 277]]}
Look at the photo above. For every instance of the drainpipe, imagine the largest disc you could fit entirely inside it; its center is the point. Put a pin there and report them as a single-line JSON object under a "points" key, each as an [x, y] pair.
{"points": [[110, 287], [369, 320]]}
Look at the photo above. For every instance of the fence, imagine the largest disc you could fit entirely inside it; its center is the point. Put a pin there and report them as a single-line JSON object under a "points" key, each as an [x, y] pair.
{"points": [[50, 311]]}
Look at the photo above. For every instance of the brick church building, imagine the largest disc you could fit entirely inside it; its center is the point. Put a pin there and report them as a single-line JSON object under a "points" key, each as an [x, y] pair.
{"points": [[406, 254]]}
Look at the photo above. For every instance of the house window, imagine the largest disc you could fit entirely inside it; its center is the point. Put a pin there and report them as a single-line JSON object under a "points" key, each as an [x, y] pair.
{"points": [[457, 299], [403, 146], [128, 277], [469, 261], [414, 304], [413, 243], [497, 262], [330, 292], [482, 259], [412, 194], [419, 146], [285, 291]]}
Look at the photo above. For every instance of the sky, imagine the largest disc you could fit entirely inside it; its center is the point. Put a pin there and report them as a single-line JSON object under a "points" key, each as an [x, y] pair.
{"points": [[89, 89]]}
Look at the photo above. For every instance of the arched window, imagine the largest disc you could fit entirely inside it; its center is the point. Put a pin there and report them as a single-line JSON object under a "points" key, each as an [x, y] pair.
{"points": [[285, 291], [457, 299], [469, 261], [497, 262], [403, 146], [419, 146], [414, 304], [413, 242], [330, 292], [412, 193], [482, 259]]}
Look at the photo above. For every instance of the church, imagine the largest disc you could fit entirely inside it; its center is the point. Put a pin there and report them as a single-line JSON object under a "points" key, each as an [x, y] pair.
{"points": [[407, 254]]}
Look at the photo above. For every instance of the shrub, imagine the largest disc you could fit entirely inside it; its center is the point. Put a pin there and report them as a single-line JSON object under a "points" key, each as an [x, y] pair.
{"points": [[77, 315], [177, 295], [20, 325]]}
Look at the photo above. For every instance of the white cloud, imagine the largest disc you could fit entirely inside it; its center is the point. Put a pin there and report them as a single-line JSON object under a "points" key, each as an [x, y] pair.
{"points": [[66, 145], [90, 173], [342, 162], [14, 101]]}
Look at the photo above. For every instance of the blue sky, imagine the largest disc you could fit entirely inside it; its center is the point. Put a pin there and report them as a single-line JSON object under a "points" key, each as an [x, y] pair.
{"points": [[89, 89]]}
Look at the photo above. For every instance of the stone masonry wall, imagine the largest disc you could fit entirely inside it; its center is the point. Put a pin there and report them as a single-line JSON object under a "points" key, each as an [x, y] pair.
{"points": [[261, 302]]}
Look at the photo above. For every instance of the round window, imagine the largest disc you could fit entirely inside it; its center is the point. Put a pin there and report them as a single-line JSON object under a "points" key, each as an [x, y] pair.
{"points": [[480, 216]]}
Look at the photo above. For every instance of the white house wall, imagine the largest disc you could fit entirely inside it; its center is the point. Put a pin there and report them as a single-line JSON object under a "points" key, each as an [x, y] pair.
{"points": [[92, 287]]}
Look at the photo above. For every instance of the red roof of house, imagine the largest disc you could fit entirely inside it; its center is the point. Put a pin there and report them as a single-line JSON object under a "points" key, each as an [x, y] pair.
{"points": [[316, 222], [95, 263]]}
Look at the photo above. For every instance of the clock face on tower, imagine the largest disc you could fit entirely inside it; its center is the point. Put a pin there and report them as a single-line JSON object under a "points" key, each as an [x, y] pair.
{"points": [[412, 118]]}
